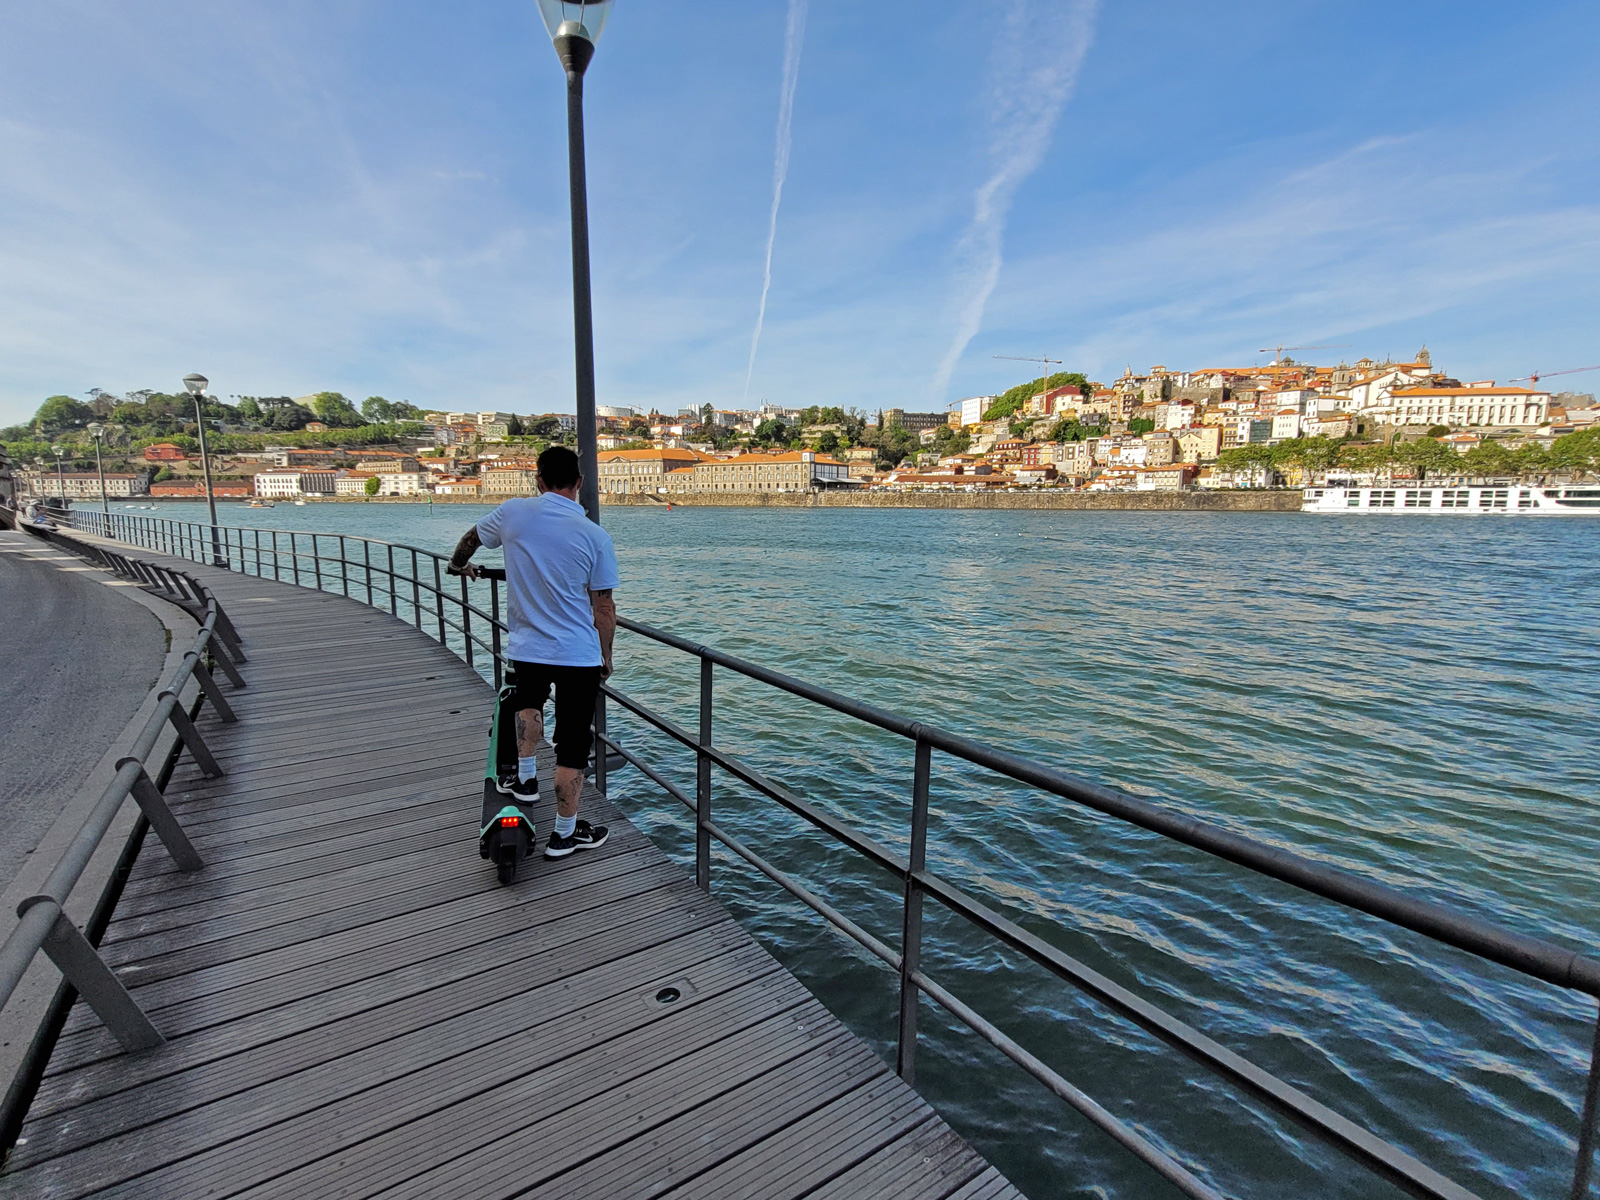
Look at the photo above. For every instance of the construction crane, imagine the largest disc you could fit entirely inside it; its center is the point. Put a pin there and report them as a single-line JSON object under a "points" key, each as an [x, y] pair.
{"points": [[1277, 352], [1045, 361], [1537, 375]]}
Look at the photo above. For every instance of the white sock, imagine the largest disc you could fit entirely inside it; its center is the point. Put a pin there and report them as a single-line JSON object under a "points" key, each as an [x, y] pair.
{"points": [[527, 768], [565, 825]]}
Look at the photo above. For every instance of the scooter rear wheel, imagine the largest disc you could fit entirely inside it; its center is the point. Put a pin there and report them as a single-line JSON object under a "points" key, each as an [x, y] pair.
{"points": [[507, 870]]}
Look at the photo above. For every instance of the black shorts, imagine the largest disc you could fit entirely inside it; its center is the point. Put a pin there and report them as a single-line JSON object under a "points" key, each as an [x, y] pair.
{"points": [[576, 690]]}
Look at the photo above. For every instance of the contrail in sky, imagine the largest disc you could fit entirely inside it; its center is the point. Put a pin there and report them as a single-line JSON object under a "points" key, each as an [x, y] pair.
{"points": [[793, 36], [1032, 73]]}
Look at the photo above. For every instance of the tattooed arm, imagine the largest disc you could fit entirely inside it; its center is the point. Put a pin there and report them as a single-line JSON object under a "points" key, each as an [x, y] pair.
{"points": [[460, 561]]}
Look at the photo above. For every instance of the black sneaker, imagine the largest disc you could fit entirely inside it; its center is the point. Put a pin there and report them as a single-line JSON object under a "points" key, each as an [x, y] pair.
{"points": [[510, 785], [583, 837]]}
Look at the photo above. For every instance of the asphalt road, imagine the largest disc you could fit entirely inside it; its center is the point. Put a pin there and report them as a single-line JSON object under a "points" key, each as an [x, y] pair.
{"points": [[76, 660]]}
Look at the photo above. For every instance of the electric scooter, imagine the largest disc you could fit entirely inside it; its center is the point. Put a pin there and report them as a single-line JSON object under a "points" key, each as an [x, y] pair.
{"points": [[507, 834]]}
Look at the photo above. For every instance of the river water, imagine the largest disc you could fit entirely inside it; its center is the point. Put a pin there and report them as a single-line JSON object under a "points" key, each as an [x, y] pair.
{"points": [[1414, 700]]}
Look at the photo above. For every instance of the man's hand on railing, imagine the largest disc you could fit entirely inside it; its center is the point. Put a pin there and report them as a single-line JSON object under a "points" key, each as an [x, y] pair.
{"points": [[471, 570]]}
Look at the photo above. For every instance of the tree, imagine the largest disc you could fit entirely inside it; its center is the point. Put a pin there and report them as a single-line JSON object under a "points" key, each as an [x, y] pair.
{"points": [[1576, 452], [772, 430], [1067, 429], [377, 410], [1438, 431], [1141, 425], [514, 426], [706, 413], [332, 409], [1427, 454], [162, 475], [828, 442], [372, 485], [283, 414], [62, 412], [249, 409]]}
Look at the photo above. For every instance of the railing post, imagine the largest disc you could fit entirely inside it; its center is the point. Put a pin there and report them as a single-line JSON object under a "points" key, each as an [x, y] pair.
{"points": [[416, 593], [466, 619], [191, 736], [344, 566], [156, 810], [494, 630], [294, 556], [366, 564], [275, 554], [1591, 1101], [393, 605], [600, 742], [96, 983], [316, 561], [438, 599], [702, 785], [911, 926], [208, 685]]}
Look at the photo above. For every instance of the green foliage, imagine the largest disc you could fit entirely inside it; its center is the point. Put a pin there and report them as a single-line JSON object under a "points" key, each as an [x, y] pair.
{"points": [[248, 408], [1015, 399], [335, 411], [1141, 425], [60, 413], [1244, 458], [947, 439], [771, 430], [376, 409], [1067, 429], [372, 485], [1576, 452], [895, 445], [162, 475], [1438, 431], [828, 442]]}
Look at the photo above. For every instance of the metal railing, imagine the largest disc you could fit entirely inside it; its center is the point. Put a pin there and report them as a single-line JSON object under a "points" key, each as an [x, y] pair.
{"points": [[44, 924], [413, 595]]}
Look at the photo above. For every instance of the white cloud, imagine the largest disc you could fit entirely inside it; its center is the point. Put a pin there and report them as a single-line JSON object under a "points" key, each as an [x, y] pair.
{"points": [[1034, 67]]}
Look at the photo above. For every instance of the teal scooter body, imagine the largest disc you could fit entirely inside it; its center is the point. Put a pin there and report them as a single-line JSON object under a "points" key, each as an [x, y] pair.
{"points": [[507, 834]]}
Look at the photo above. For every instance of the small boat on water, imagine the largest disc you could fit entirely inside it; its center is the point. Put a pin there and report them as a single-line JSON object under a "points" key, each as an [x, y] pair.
{"points": [[1570, 500], [259, 504]]}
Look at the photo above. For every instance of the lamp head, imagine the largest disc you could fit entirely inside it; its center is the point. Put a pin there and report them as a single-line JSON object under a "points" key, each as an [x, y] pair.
{"points": [[574, 27], [58, 451], [96, 430], [195, 385]]}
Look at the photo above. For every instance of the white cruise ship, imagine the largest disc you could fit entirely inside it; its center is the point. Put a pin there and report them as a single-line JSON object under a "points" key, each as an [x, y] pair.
{"points": [[1573, 500]]}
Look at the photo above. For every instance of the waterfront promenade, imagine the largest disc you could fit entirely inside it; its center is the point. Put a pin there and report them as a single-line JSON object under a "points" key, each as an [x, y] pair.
{"points": [[355, 1007]]}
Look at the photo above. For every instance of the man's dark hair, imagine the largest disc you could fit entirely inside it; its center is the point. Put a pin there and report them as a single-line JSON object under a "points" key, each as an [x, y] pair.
{"points": [[558, 467]]}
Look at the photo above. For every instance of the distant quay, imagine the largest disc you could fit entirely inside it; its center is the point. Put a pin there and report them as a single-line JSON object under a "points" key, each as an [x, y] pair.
{"points": [[1285, 500], [1262, 500]]}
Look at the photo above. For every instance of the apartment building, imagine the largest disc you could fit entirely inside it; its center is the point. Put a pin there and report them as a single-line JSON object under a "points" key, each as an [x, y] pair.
{"points": [[625, 472]]}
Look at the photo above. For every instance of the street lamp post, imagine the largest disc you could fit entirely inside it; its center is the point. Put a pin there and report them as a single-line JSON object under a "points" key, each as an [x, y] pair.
{"points": [[196, 387], [574, 27], [98, 431], [61, 478]]}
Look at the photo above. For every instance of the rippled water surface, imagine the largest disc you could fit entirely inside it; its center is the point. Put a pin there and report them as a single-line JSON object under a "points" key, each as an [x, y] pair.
{"points": [[1413, 699]]}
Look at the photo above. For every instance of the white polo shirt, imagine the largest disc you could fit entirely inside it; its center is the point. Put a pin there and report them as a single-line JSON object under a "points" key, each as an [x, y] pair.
{"points": [[555, 556]]}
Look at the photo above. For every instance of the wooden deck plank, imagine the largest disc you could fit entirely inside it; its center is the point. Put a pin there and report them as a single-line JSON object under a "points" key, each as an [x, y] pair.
{"points": [[355, 1006]]}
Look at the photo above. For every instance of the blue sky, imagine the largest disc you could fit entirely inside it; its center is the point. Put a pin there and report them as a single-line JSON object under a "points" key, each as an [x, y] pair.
{"points": [[371, 197]]}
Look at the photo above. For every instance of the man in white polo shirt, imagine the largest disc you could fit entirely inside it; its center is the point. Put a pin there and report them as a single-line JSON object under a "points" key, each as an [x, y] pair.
{"points": [[560, 571]]}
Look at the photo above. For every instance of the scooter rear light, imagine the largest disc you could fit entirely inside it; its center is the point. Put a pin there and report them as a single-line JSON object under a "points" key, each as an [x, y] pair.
{"points": [[510, 822]]}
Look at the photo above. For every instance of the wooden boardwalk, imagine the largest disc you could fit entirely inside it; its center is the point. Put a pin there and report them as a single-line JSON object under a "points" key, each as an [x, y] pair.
{"points": [[356, 1008]]}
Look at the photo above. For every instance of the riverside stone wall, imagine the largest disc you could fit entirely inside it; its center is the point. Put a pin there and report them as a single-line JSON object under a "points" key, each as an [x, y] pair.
{"points": [[1287, 500], [1241, 501]]}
